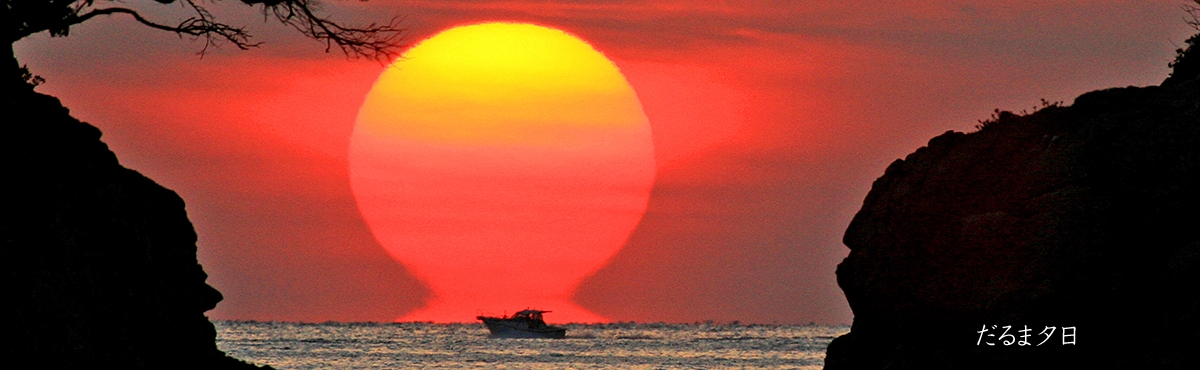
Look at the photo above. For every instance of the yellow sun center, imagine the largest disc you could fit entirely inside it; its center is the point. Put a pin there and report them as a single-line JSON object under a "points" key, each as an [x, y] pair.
{"points": [[499, 83]]}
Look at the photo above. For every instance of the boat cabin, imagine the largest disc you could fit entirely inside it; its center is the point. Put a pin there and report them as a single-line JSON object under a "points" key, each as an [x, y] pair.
{"points": [[529, 314]]}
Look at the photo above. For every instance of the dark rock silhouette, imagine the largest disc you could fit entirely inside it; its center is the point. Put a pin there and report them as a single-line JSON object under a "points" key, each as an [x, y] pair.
{"points": [[1084, 216], [99, 262]]}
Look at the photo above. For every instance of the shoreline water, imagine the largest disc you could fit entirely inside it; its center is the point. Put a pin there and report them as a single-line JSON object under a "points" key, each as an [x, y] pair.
{"points": [[587, 346]]}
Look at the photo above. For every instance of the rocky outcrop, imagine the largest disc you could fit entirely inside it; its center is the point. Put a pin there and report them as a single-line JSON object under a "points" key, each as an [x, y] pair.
{"points": [[1084, 216], [99, 262]]}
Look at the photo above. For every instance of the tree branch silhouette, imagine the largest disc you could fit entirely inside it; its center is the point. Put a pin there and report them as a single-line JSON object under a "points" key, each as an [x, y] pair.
{"points": [[201, 25], [23, 18], [375, 41]]}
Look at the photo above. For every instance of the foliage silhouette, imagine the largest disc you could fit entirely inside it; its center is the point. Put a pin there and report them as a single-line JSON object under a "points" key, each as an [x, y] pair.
{"points": [[1187, 64]]}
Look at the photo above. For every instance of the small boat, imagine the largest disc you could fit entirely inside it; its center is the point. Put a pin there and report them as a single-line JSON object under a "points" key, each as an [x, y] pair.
{"points": [[523, 324]]}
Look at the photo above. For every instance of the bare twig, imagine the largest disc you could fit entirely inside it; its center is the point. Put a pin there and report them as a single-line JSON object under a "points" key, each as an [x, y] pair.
{"points": [[1193, 12], [201, 25], [373, 41]]}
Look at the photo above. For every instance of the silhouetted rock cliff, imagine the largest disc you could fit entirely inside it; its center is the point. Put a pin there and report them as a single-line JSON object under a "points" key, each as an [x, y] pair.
{"points": [[1084, 216], [99, 262]]}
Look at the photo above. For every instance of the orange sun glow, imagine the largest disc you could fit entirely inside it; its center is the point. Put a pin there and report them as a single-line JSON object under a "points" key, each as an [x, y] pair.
{"points": [[501, 163]]}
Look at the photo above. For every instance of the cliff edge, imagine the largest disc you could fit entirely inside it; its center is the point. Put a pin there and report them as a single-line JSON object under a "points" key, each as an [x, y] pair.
{"points": [[99, 262], [1083, 218]]}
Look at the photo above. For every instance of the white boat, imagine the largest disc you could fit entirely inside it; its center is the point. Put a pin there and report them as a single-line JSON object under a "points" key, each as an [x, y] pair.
{"points": [[523, 324]]}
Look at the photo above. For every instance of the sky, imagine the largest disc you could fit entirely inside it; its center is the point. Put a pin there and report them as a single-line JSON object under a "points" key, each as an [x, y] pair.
{"points": [[770, 120]]}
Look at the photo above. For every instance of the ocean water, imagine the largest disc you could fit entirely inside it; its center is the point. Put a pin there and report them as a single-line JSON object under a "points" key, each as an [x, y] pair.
{"points": [[594, 346]]}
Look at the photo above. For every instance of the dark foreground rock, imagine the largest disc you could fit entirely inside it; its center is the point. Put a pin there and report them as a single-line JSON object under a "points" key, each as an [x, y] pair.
{"points": [[99, 262], [1085, 216]]}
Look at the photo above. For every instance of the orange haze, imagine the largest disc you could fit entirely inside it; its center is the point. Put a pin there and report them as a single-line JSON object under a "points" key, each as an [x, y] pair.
{"points": [[769, 121]]}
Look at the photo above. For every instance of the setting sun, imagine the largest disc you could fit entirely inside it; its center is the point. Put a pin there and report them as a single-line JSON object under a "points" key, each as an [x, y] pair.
{"points": [[501, 163]]}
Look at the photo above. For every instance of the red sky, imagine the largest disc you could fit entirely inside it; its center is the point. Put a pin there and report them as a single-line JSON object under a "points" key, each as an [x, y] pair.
{"points": [[770, 119]]}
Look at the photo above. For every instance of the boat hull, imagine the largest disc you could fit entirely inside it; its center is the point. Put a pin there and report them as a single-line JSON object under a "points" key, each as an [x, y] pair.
{"points": [[502, 328]]}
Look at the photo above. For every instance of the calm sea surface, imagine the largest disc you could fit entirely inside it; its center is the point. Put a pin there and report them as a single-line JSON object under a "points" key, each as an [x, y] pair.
{"points": [[599, 346]]}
